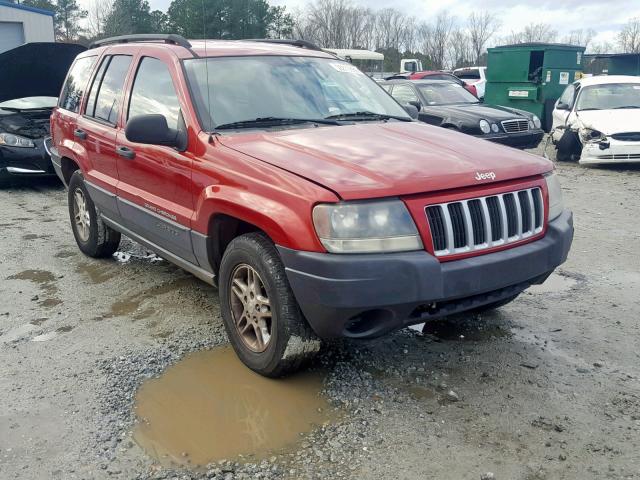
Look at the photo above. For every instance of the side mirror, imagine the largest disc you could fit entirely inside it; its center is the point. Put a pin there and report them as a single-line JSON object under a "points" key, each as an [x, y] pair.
{"points": [[411, 110], [153, 130], [416, 104], [562, 106]]}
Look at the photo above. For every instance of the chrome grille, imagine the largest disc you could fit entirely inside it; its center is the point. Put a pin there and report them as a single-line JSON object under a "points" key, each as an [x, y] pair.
{"points": [[515, 126], [485, 222]]}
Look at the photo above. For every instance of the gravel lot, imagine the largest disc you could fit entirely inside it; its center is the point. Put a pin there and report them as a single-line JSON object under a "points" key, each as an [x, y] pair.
{"points": [[544, 388]]}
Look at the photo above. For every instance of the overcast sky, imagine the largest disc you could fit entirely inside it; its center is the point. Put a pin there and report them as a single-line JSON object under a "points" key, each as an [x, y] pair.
{"points": [[605, 17]]}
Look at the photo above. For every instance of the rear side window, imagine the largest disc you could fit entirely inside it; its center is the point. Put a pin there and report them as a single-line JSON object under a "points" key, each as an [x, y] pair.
{"points": [[153, 92], [471, 74], [106, 91], [404, 94], [77, 79]]}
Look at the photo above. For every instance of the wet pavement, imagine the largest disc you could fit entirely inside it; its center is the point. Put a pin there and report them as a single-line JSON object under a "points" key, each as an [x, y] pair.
{"points": [[119, 368]]}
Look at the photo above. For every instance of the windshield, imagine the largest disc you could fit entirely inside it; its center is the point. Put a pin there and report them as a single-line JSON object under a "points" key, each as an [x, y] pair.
{"points": [[241, 89], [609, 96], [30, 103], [445, 93]]}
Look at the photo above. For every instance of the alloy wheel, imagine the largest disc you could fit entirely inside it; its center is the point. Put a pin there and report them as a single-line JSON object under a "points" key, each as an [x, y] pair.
{"points": [[250, 308], [81, 215]]}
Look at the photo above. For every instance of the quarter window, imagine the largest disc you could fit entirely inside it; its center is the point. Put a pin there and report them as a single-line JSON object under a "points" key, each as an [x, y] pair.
{"points": [[404, 94], [106, 91], [153, 92], [73, 89]]}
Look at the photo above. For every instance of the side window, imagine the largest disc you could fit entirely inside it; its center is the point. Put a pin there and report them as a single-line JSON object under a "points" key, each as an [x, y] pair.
{"points": [[93, 92], [106, 91], [73, 89], [567, 96], [153, 92], [404, 94]]}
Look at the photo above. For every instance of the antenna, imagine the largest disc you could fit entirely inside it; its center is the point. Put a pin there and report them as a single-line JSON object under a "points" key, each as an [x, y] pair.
{"points": [[206, 66]]}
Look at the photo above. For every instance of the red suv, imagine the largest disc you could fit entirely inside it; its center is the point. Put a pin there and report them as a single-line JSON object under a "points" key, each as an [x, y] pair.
{"points": [[300, 188]]}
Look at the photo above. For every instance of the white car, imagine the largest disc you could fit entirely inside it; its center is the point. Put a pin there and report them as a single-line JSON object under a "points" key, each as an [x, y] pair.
{"points": [[598, 120], [476, 76]]}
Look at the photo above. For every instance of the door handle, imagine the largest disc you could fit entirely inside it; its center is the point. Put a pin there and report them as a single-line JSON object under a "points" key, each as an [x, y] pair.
{"points": [[81, 134], [126, 152]]}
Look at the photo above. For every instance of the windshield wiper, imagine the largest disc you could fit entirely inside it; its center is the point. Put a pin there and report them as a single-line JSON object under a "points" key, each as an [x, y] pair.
{"points": [[274, 121], [626, 106], [354, 116], [588, 108]]}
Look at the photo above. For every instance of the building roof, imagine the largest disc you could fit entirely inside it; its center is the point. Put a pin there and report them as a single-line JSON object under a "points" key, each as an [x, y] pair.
{"points": [[26, 8]]}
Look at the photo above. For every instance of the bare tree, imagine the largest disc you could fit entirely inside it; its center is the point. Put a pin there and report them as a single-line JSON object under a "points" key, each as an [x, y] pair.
{"points": [[534, 32], [461, 50], [629, 36], [580, 37], [600, 48], [97, 14], [435, 38], [481, 27]]}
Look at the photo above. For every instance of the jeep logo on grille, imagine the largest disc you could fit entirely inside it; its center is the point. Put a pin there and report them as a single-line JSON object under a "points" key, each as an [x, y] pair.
{"points": [[485, 176]]}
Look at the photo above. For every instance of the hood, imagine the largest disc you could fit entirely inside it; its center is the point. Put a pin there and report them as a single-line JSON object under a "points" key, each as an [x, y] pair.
{"points": [[473, 112], [36, 69], [386, 159], [611, 121]]}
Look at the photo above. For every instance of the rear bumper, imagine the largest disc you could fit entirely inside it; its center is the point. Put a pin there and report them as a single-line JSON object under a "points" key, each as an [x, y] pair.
{"points": [[528, 139], [364, 296]]}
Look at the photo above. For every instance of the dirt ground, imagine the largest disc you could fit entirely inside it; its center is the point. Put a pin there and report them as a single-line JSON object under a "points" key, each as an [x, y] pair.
{"points": [[546, 387]]}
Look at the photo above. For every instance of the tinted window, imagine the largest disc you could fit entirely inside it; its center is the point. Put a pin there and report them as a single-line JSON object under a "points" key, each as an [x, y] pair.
{"points": [[471, 74], [73, 89], [153, 92], [110, 88], [445, 93], [404, 94]]}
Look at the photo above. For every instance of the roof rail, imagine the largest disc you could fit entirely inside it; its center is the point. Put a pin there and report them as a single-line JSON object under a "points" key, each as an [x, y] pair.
{"points": [[144, 37], [294, 43]]}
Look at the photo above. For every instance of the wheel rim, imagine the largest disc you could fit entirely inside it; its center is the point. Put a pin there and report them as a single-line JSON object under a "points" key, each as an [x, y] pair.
{"points": [[81, 215], [250, 308]]}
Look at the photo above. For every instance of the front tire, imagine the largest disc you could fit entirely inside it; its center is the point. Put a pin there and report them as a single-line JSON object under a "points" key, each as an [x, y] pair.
{"points": [[261, 315], [93, 236]]}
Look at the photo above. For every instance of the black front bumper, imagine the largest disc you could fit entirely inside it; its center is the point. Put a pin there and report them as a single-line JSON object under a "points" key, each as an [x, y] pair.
{"points": [[25, 162], [364, 296], [528, 139]]}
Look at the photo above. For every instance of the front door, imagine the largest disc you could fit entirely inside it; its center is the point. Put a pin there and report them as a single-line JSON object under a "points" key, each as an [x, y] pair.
{"points": [[560, 117], [154, 191]]}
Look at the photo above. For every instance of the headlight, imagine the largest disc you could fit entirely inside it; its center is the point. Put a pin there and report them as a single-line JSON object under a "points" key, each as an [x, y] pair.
{"points": [[364, 227], [11, 140], [484, 126], [556, 203], [536, 122], [495, 128], [590, 135]]}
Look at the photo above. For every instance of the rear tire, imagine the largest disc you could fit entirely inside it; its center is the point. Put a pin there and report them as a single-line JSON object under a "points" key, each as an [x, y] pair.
{"points": [[261, 315], [93, 236]]}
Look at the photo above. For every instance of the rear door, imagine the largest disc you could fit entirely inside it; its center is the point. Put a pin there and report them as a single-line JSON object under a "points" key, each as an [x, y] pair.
{"points": [[97, 128], [154, 191], [65, 115]]}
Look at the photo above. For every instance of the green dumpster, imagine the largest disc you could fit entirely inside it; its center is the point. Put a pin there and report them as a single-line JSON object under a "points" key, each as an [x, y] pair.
{"points": [[531, 76], [613, 64]]}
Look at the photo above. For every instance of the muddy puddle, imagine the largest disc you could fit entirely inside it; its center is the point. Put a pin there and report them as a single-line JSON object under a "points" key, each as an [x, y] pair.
{"points": [[209, 407], [45, 281], [98, 272], [556, 283]]}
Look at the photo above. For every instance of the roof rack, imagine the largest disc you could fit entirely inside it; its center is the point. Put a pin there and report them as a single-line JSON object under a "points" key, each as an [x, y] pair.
{"points": [[144, 37], [294, 43]]}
